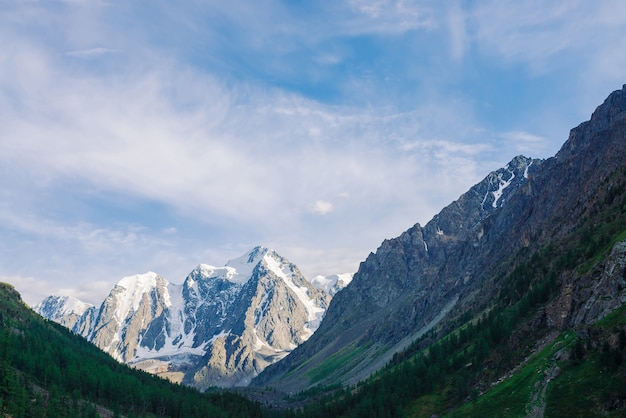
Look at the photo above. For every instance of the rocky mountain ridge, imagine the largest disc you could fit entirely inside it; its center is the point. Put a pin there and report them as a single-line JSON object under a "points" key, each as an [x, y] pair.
{"points": [[221, 327], [453, 265]]}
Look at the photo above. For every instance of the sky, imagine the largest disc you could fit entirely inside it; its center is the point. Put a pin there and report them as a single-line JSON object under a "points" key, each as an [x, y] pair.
{"points": [[154, 136]]}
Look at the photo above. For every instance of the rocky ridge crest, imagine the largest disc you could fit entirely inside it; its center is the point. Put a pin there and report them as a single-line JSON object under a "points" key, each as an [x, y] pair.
{"points": [[432, 274]]}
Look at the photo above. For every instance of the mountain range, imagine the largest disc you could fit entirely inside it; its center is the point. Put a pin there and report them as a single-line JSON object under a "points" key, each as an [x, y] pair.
{"points": [[221, 327], [511, 301]]}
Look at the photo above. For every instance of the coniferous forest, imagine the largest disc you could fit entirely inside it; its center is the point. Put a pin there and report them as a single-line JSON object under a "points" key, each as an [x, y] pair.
{"points": [[45, 371]]}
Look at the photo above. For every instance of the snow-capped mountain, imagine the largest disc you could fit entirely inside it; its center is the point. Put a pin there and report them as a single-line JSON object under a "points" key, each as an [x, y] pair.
{"points": [[65, 310], [333, 283], [221, 327]]}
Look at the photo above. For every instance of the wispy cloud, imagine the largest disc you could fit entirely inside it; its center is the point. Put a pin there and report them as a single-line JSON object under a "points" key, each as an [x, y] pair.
{"points": [[525, 142], [32, 290], [92, 52], [458, 32], [393, 16], [318, 128], [537, 35]]}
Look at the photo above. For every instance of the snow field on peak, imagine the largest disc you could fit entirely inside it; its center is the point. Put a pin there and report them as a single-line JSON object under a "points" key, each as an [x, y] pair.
{"points": [[243, 266], [64, 305], [173, 326], [207, 271], [324, 282], [526, 170], [134, 289], [327, 283], [73, 305]]}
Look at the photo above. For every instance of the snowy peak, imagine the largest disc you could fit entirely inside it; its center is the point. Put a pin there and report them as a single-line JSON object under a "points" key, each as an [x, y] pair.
{"points": [[61, 305], [333, 283], [222, 326], [129, 291], [500, 184], [238, 270], [304, 291], [245, 265], [141, 283], [65, 310], [205, 272]]}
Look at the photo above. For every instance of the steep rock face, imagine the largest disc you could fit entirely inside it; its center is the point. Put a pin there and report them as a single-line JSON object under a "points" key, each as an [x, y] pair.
{"points": [[276, 309], [429, 273], [401, 290], [132, 316], [587, 299], [221, 327]]}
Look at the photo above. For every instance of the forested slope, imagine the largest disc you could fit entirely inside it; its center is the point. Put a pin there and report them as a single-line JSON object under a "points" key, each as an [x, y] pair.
{"points": [[45, 371], [551, 343]]}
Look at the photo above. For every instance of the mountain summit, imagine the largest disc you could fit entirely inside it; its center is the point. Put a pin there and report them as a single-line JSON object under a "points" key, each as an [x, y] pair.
{"points": [[221, 327]]}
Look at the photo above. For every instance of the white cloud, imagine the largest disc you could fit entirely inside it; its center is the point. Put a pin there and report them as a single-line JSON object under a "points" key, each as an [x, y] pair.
{"points": [[527, 143], [237, 163], [458, 33], [519, 30], [32, 290], [391, 16], [92, 52], [93, 291], [322, 207]]}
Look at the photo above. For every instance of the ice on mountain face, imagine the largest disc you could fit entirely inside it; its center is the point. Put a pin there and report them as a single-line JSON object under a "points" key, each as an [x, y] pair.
{"points": [[205, 271], [503, 184], [73, 305], [64, 310], [498, 183], [526, 170], [182, 347], [324, 282]]}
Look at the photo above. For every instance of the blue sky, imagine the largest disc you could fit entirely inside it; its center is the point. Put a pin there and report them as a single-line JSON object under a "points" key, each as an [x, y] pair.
{"points": [[158, 135]]}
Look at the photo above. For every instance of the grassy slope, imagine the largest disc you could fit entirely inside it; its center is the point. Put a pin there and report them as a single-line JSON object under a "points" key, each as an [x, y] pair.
{"points": [[515, 396], [594, 385]]}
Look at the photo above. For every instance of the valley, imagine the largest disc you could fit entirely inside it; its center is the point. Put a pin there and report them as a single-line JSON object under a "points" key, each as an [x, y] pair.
{"points": [[511, 301]]}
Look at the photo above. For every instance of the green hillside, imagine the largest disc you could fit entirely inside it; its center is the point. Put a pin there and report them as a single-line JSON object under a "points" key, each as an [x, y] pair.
{"points": [[45, 371]]}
